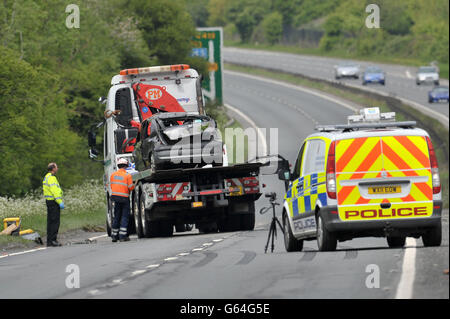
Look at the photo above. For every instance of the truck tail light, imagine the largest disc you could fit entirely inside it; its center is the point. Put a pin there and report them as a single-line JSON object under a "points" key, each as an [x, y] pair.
{"points": [[164, 189], [331, 171], [436, 181], [250, 185]]}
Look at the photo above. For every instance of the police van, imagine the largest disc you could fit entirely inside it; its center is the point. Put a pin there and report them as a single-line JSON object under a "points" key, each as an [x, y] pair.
{"points": [[371, 177]]}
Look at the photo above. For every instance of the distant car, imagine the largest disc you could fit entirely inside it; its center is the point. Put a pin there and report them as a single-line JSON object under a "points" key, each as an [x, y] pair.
{"points": [[373, 74], [438, 94], [427, 74], [346, 70], [179, 140]]}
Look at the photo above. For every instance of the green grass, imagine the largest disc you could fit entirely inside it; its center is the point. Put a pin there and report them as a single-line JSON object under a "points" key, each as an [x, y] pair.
{"points": [[438, 132], [338, 54], [68, 222]]}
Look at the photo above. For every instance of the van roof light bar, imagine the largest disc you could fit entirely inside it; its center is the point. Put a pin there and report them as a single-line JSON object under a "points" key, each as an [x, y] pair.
{"points": [[355, 126]]}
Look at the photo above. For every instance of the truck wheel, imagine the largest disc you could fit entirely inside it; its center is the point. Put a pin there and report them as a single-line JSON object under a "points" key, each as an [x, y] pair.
{"points": [[131, 221], [290, 242], [145, 224], [230, 223], [109, 215], [433, 237], [248, 221], [396, 242], [137, 215], [326, 241], [165, 228]]}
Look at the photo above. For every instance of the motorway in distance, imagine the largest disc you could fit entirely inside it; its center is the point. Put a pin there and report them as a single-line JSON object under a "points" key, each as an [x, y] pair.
{"points": [[233, 264], [400, 80]]}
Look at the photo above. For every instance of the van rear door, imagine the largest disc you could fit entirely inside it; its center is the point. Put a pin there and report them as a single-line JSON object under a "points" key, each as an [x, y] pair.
{"points": [[383, 178]]}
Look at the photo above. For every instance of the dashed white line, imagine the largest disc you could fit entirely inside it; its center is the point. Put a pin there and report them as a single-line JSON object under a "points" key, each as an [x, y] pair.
{"points": [[171, 258], [183, 254], [137, 272], [207, 244], [153, 266], [197, 249]]}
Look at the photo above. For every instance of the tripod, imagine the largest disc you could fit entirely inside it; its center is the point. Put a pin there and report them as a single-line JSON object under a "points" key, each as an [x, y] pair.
{"points": [[273, 224]]}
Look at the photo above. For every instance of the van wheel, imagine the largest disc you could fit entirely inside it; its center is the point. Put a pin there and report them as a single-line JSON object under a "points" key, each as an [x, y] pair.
{"points": [[137, 215], [433, 237], [396, 242], [326, 241], [290, 242]]}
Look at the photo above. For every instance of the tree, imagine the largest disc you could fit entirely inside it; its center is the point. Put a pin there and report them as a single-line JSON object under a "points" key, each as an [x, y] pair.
{"points": [[167, 28], [34, 127], [273, 27]]}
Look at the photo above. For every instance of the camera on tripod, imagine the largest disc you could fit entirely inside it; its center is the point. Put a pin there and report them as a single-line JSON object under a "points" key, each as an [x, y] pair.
{"points": [[273, 225], [272, 196]]}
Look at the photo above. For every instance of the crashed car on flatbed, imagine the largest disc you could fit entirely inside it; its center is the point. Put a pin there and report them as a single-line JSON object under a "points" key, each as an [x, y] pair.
{"points": [[179, 140]]}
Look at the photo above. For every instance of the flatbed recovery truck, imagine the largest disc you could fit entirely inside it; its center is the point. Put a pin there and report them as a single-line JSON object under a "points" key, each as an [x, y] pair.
{"points": [[218, 198]]}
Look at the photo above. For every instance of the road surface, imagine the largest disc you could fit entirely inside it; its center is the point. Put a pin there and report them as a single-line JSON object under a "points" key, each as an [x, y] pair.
{"points": [[400, 80]]}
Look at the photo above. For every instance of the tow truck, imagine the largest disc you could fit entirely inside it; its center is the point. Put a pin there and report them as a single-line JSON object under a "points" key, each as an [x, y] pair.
{"points": [[219, 198]]}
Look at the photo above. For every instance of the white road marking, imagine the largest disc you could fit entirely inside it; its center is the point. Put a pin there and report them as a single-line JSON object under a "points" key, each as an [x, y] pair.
{"points": [[97, 237], [183, 254], [137, 272], [22, 252], [94, 292], [207, 244], [217, 240], [171, 258], [197, 249], [408, 75], [406, 284], [153, 266]]}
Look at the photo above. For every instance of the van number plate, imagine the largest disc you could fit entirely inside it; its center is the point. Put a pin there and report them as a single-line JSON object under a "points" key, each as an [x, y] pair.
{"points": [[385, 190]]}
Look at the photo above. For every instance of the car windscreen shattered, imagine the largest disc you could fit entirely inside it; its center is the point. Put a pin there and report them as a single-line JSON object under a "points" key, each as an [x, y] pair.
{"points": [[176, 129]]}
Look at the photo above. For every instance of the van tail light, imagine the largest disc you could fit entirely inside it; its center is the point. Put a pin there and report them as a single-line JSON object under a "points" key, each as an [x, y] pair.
{"points": [[331, 171], [434, 168]]}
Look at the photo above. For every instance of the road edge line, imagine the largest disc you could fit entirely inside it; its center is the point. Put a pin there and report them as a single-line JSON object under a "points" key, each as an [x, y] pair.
{"points": [[406, 284]]}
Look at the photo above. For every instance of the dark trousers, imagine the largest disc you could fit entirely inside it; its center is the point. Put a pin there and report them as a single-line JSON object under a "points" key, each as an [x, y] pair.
{"points": [[53, 218], [121, 215]]}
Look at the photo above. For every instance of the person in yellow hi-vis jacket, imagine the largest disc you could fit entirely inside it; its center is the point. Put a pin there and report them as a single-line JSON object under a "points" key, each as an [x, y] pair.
{"points": [[53, 198]]}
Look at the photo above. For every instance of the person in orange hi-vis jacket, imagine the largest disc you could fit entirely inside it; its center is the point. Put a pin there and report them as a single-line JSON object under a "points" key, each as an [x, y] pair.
{"points": [[121, 186]]}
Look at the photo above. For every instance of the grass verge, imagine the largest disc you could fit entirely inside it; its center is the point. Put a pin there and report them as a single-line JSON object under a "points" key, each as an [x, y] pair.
{"points": [[443, 67], [437, 131], [88, 221]]}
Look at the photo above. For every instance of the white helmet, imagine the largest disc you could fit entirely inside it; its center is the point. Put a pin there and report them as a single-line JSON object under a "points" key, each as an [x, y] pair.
{"points": [[122, 161]]}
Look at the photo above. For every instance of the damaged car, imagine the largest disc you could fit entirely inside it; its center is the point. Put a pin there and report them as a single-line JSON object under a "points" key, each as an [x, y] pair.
{"points": [[179, 140]]}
